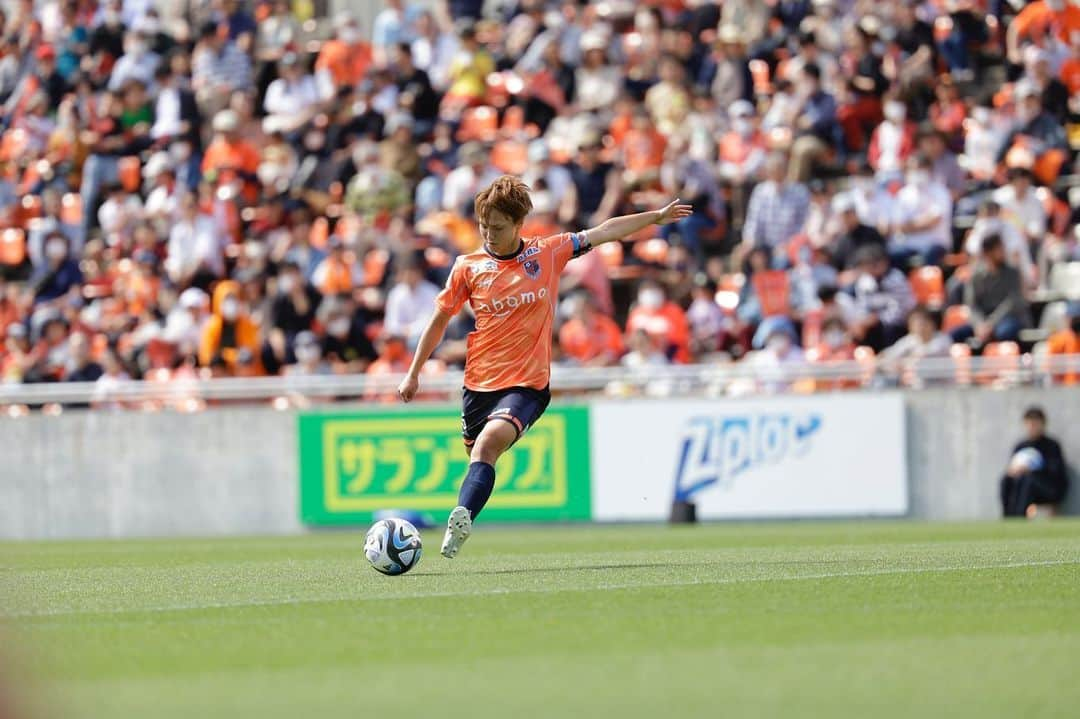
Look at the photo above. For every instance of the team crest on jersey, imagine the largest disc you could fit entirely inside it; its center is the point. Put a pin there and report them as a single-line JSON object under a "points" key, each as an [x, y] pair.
{"points": [[532, 268]]}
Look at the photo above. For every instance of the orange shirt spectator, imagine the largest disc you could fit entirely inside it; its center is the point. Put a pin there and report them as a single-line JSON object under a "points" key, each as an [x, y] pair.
{"points": [[663, 320], [230, 156], [1070, 73], [345, 63], [1037, 19], [590, 337], [643, 147], [1067, 342], [229, 329], [336, 274]]}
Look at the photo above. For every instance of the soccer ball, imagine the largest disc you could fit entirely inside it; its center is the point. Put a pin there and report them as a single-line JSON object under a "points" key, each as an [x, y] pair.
{"points": [[393, 546]]}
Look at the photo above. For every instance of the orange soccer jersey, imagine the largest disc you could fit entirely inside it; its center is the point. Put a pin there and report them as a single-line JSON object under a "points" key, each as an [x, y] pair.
{"points": [[514, 301]]}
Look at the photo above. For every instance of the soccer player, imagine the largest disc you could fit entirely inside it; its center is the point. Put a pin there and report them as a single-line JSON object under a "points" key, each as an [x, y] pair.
{"points": [[512, 284]]}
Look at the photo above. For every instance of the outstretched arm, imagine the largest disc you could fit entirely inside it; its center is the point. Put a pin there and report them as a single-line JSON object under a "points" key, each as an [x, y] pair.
{"points": [[429, 340], [619, 227]]}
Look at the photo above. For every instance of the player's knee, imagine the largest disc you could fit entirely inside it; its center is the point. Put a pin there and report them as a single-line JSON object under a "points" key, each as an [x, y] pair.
{"points": [[492, 443]]}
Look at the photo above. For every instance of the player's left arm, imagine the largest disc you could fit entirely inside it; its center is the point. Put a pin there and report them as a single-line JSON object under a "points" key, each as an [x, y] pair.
{"points": [[619, 227]]}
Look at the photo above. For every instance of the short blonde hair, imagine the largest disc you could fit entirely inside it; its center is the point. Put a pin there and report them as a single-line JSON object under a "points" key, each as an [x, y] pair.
{"points": [[509, 195]]}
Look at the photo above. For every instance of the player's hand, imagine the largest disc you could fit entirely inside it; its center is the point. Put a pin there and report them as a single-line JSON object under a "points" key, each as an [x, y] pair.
{"points": [[674, 212], [407, 389]]}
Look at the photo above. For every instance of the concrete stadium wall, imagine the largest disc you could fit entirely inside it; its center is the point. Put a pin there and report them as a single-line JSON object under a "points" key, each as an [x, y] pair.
{"points": [[233, 470]]}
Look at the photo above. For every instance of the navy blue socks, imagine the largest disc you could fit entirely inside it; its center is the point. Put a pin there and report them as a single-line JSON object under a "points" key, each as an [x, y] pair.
{"points": [[476, 489]]}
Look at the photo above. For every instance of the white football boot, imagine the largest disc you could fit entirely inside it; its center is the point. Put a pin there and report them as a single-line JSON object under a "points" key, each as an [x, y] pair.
{"points": [[458, 529]]}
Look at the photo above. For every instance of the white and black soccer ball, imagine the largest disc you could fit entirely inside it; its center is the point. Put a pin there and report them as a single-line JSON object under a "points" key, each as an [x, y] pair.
{"points": [[393, 546]]}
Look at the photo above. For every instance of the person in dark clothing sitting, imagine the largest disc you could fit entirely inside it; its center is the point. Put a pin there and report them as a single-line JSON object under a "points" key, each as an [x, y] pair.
{"points": [[1036, 473], [996, 298]]}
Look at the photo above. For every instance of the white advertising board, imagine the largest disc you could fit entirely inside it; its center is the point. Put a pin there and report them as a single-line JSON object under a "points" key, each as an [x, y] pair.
{"points": [[819, 456]]}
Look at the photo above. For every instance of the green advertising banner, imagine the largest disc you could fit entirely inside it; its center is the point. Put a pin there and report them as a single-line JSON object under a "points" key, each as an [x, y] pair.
{"points": [[353, 465]]}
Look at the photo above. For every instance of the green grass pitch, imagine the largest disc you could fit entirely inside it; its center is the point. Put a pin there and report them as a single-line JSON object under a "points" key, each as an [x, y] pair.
{"points": [[860, 619]]}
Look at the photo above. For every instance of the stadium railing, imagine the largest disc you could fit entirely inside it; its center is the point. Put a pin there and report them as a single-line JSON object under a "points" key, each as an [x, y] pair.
{"points": [[698, 380]]}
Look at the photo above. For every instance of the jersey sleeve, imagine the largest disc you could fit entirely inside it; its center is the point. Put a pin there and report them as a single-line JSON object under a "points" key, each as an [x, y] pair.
{"points": [[566, 247], [456, 291]]}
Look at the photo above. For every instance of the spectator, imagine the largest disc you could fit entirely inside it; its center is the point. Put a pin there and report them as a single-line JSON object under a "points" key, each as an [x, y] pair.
{"points": [[597, 83], [219, 68], [17, 360], [596, 185], [643, 352], [473, 174], [410, 303], [815, 126], [186, 321], [777, 209], [924, 207], [415, 93], [1036, 473], [662, 319], [230, 158], [836, 343], [995, 295], [195, 247], [853, 234], [590, 337], [346, 345], [309, 357], [945, 169], [1017, 249], [1038, 21], [60, 275], [1020, 206], [337, 273], [391, 27], [113, 377], [468, 73], [292, 311], [883, 299], [138, 63], [1037, 136], [80, 366], [708, 325], [778, 356], [924, 339], [1066, 341], [229, 329], [343, 60], [893, 140], [293, 99], [433, 50], [742, 153]]}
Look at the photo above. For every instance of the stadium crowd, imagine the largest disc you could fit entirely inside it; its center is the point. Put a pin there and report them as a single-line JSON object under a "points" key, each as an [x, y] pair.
{"points": [[229, 189]]}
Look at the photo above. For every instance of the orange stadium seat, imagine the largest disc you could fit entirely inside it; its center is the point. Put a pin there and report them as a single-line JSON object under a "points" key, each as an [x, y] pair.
{"points": [[955, 316], [510, 156], [130, 169], [961, 357], [71, 209], [928, 286], [773, 289], [12, 247], [479, 123], [1001, 360]]}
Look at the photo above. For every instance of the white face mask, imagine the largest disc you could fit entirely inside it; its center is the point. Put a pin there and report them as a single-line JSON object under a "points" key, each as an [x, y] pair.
{"points": [[981, 115], [1055, 5], [308, 353], [895, 112], [338, 327], [742, 126], [778, 344], [230, 308], [918, 178], [180, 151], [349, 36], [55, 250], [286, 283], [651, 298], [834, 338]]}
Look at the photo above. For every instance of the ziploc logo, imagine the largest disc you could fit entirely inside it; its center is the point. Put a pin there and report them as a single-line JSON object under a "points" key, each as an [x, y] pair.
{"points": [[717, 450]]}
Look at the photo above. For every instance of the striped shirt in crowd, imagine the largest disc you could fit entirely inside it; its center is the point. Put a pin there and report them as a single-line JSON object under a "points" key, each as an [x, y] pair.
{"points": [[776, 213], [231, 67]]}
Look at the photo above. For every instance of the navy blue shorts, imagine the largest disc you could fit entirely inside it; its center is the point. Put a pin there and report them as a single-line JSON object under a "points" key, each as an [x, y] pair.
{"points": [[520, 406]]}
